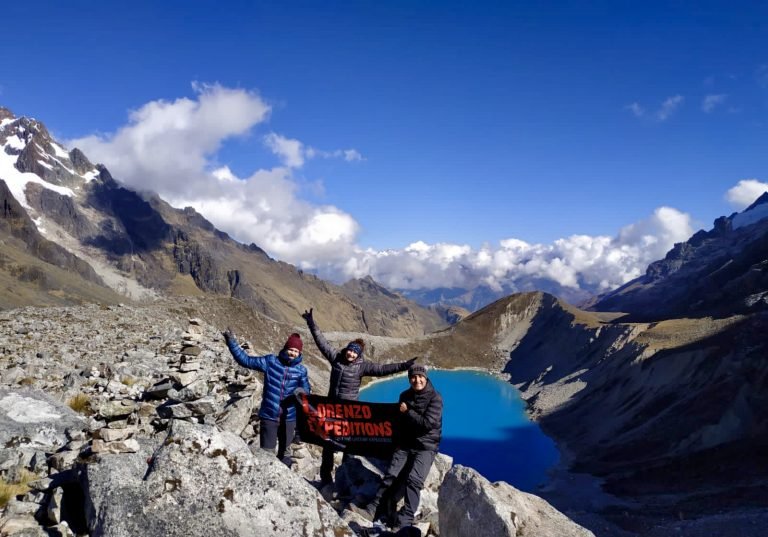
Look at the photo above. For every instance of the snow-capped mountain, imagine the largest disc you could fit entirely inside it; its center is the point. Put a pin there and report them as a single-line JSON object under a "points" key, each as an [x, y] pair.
{"points": [[72, 233]]}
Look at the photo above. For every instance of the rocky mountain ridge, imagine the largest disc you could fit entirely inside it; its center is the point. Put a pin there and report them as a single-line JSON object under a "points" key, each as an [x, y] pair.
{"points": [[62, 212], [717, 272], [667, 414]]}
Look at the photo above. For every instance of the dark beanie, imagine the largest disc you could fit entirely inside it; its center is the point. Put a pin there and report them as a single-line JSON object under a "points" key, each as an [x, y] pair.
{"points": [[357, 346], [294, 342], [417, 369]]}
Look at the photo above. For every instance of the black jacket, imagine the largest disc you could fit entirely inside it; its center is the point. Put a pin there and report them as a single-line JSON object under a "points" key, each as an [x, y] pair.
{"points": [[422, 424], [346, 376]]}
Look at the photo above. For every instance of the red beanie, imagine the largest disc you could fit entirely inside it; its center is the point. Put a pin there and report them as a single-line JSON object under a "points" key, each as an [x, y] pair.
{"points": [[294, 342]]}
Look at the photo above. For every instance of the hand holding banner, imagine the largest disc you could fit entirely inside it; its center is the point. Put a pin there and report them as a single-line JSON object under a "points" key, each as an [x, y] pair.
{"points": [[357, 427]]}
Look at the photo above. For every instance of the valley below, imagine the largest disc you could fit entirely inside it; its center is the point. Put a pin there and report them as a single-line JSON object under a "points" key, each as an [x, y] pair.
{"points": [[660, 426]]}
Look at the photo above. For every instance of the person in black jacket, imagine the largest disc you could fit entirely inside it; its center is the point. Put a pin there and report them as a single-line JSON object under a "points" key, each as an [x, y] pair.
{"points": [[348, 367], [421, 408]]}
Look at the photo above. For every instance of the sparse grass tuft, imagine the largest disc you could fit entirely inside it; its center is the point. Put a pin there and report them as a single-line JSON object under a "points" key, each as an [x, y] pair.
{"points": [[26, 381], [80, 403], [9, 491], [128, 380]]}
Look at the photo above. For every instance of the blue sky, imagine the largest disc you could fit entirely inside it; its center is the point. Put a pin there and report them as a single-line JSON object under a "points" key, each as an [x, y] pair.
{"points": [[449, 125]]}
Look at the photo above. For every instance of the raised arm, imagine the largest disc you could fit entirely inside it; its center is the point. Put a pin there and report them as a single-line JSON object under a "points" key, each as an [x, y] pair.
{"points": [[258, 363], [326, 349], [382, 370]]}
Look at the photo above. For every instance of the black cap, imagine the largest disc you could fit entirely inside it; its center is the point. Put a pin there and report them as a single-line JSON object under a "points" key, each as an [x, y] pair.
{"points": [[417, 369]]}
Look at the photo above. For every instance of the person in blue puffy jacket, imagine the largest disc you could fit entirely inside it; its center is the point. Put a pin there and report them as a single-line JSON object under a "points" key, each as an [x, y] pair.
{"points": [[283, 374]]}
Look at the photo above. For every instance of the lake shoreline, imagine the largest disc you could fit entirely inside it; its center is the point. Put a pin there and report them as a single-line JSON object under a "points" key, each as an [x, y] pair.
{"points": [[578, 495], [485, 425]]}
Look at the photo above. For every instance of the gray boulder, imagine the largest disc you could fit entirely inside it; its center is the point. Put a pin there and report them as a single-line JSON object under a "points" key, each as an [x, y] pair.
{"points": [[202, 482], [471, 505], [31, 417]]}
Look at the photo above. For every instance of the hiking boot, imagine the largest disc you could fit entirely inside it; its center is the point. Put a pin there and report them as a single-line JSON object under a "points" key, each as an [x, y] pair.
{"points": [[328, 492], [368, 512]]}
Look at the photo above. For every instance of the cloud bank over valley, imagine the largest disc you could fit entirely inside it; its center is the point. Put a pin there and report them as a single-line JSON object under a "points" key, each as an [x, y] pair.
{"points": [[172, 148]]}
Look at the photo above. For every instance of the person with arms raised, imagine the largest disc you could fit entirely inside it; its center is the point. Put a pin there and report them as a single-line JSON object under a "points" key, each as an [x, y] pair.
{"points": [[348, 367], [283, 374]]}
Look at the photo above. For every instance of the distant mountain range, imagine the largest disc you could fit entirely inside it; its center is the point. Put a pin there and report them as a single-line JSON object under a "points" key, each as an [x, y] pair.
{"points": [[716, 272], [478, 297], [71, 234]]}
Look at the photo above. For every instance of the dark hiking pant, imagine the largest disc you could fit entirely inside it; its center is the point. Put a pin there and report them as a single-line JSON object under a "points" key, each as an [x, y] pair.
{"points": [[280, 434], [326, 465], [407, 470]]}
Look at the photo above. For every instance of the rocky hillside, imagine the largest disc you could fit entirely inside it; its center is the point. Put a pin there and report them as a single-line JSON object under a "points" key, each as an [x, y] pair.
{"points": [[668, 414], [75, 235], [382, 307], [717, 272], [134, 420]]}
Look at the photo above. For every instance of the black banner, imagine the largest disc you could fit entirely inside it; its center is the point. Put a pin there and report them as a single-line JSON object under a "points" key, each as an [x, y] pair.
{"points": [[356, 427]]}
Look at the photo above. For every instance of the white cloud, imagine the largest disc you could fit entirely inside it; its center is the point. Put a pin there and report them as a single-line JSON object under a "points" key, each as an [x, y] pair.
{"points": [[665, 110], [293, 153], [290, 151], [168, 146], [745, 193], [636, 109], [711, 101], [352, 155], [579, 262], [171, 148], [668, 107]]}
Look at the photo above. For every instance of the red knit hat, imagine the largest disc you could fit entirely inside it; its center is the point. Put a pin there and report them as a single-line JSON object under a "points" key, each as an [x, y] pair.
{"points": [[294, 342]]}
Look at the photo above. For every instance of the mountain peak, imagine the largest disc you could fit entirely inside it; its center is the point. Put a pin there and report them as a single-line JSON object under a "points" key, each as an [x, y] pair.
{"points": [[752, 214], [762, 200]]}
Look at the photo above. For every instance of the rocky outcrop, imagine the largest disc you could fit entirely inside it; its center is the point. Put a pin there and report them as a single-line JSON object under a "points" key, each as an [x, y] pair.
{"points": [[202, 481], [15, 221], [471, 505]]}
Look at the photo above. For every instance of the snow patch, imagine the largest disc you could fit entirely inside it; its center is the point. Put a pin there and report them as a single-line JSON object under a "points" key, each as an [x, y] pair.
{"points": [[39, 224], [44, 164], [15, 142], [751, 216], [90, 176], [60, 163], [17, 181], [60, 151], [27, 410], [6, 121]]}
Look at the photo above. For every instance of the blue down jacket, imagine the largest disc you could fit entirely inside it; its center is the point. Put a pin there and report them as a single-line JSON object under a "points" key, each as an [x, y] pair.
{"points": [[281, 378]]}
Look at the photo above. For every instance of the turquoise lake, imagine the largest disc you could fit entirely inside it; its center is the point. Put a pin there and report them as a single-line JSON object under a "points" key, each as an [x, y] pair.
{"points": [[484, 426]]}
